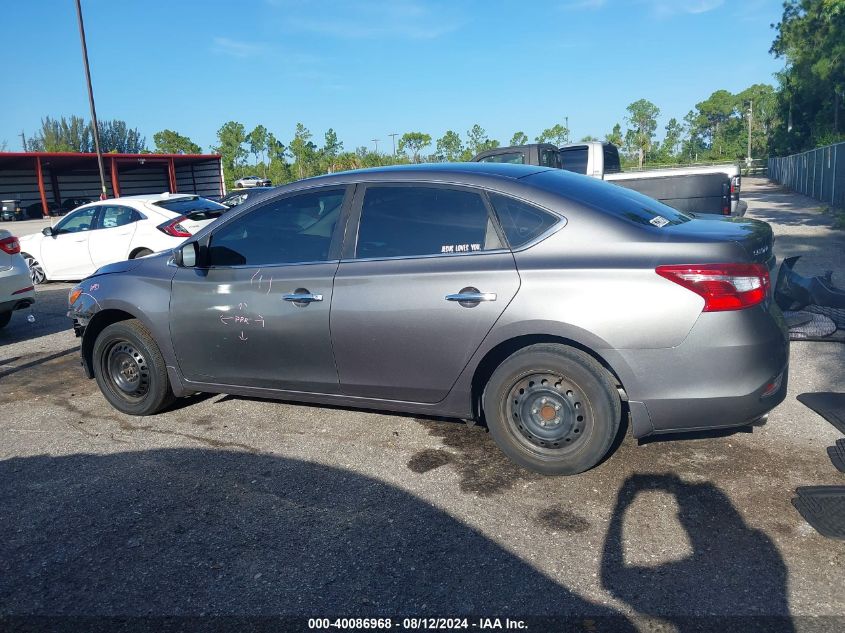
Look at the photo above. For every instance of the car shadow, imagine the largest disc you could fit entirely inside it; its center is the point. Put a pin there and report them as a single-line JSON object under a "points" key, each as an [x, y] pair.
{"points": [[189, 532], [49, 310], [731, 577]]}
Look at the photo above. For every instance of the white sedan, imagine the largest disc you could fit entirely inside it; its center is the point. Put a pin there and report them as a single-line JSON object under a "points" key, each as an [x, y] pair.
{"points": [[252, 181], [113, 230]]}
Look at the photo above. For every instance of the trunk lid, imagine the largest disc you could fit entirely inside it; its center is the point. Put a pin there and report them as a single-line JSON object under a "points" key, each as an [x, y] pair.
{"points": [[754, 236]]}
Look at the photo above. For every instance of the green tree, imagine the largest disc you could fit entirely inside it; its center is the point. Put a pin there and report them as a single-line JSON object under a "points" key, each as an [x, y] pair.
{"points": [[116, 136], [71, 134], [557, 135], [449, 147], [414, 142], [674, 132], [231, 138], [477, 142], [170, 142], [642, 121], [304, 151], [811, 39], [257, 140], [518, 138], [331, 149], [615, 136], [589, 138]]}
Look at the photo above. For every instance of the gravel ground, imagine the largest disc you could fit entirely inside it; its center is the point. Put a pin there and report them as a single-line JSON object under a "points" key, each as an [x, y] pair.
{"points": [[235, 506]]}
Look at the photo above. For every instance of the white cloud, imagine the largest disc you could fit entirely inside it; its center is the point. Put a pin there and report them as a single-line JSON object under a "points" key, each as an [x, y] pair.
{"points": [[236, 48]]}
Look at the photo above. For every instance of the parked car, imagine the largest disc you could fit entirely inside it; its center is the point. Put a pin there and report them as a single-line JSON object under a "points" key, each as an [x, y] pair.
{"points": [[69, 204], [239, 196], [12, 210], [36, 210], [252, 181], [711, 189], [541, 301], [108, 231], [16, 289]]}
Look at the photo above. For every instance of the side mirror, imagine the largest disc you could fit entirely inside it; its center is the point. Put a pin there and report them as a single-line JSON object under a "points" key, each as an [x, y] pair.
{"points": [[48, 231], [186, 255]]}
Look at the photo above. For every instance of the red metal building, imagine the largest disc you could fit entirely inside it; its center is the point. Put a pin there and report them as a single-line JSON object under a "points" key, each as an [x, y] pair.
{"points": [[52, 177]]}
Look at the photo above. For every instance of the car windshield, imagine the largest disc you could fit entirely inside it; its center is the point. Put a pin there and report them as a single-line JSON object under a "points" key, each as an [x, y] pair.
{"points": [[197, 208]]}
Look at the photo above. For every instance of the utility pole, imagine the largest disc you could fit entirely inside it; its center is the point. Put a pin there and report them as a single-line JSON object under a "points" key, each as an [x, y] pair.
{"points": [[23, 141], [94, 124], [750, 120], [393, 136], [566, 119], [376, 140]]}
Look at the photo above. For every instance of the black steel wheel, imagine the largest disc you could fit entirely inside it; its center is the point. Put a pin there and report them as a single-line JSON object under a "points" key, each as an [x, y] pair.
{"points": [[130, 369], [552, 409]]}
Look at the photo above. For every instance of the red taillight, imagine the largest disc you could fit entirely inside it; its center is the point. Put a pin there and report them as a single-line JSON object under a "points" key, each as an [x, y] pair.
{"points": [[174, 228], [723, 286], [10, 245]]}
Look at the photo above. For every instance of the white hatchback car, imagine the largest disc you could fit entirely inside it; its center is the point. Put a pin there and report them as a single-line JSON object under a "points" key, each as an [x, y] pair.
{"points": [[113, 230], [252, 181]]}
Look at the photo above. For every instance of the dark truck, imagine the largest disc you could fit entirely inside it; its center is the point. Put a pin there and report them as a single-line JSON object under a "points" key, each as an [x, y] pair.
{"points": [[699, 189]]}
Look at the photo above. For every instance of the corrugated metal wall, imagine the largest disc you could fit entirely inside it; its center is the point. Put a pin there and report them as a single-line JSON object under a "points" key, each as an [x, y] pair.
{"points": [[202, 178], [818, 173]]}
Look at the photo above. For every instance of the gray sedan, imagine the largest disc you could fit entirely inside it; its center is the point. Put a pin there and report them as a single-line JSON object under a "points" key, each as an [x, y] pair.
{"points": [[547, 304]]}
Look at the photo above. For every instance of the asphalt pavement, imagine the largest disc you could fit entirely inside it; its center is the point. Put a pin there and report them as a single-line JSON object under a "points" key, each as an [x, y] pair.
{"points": [[235, 506]]}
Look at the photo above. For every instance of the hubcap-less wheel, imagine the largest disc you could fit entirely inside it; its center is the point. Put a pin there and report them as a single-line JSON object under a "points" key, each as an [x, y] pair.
{"points": [[128, 370], [548, 414], [36, 272]]}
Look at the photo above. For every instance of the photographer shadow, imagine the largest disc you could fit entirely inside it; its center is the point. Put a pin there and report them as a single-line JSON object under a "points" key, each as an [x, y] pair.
{"points": [[734, 578]]}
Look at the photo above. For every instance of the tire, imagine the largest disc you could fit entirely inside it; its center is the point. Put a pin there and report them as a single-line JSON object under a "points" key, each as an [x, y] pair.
{"points": [[36, 270], [142, 253], [130, 369], [552, 409], [5, 317]]}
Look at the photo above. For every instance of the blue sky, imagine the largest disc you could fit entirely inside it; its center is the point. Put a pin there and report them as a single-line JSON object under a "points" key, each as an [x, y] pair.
{"points": [[369, 68]]}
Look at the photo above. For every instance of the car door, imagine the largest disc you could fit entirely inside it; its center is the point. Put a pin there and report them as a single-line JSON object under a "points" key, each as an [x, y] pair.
{"points": [[111, 240], [418, 290], [257, 312], [65, 253]]}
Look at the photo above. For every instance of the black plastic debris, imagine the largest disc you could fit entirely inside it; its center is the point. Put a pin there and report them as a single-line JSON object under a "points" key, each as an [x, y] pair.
{"points": [[823, 507], [829, 405], [837, 455]]}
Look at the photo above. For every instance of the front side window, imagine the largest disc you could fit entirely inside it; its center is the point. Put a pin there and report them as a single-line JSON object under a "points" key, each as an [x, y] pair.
{"points": [[77, 221], [114, 216], [514, 158], [289, 230], [521, 222], [417, 220]]}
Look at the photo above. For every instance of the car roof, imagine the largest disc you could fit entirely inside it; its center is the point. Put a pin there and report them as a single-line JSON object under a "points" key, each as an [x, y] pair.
{"points": [[423, 171], [157, 197]]}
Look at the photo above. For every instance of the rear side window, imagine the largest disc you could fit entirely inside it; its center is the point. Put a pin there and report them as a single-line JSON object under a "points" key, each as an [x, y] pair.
{"points": [[550, 158], [514, 158], [520, 221], [574, 159], [413, 221]]}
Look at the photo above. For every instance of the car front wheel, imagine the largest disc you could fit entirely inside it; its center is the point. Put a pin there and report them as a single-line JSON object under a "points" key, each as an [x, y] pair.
{"points": [[130, 369], [552, 409], [36, 271]]}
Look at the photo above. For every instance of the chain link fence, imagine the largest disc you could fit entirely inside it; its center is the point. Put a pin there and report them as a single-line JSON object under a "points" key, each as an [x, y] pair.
{"points": [[818, 173]]}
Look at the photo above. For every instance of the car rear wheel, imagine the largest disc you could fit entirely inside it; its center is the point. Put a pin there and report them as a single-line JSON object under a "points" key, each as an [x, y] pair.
{"points": [[130, 369], [36, 271], [552, 409], [141, 253]]}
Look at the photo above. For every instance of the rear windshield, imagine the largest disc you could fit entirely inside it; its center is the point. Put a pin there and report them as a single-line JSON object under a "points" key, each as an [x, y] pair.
{"points": [[574, 159], [515, 158], [610, 199], [196, 208]]}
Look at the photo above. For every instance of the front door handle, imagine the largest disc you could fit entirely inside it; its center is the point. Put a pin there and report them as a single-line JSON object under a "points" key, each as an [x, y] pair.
{"points": [[302, 297], [469, 297]]}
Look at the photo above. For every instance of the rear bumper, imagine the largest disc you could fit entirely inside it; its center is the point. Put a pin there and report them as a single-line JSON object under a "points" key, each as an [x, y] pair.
{"points": [[717, 378], [16, 290]]}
